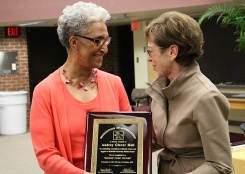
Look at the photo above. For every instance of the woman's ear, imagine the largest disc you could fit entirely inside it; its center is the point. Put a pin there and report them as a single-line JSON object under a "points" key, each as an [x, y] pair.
{"points": [[73, 41], [174, 49]]}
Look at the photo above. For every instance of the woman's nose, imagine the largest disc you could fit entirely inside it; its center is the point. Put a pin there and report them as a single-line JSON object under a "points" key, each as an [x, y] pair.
{"points": [[149, 58], [104, 48]]}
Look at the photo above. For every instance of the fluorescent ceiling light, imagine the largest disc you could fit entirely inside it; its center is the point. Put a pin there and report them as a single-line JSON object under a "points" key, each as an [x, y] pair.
{"points": [[119, 17], [31, 23]]}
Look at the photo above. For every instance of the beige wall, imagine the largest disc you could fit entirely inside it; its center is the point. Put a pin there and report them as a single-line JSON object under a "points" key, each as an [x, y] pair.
{"points": [[140, 58], [143, 70]]}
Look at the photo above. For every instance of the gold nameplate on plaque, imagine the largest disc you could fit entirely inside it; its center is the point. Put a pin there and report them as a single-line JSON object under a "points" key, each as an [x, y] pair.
{"points": [[117, 145]]}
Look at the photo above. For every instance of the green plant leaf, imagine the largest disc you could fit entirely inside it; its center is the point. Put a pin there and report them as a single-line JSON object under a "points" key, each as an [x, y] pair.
{"points": [[229, 15]]}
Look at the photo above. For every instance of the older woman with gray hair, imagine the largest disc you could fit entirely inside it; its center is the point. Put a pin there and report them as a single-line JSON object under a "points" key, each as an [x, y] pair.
{"points": [[190, 115], [61, 101]]}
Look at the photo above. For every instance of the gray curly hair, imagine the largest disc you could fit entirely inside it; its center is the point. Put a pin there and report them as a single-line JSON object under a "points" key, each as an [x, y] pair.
{"points": [[75, 19]]}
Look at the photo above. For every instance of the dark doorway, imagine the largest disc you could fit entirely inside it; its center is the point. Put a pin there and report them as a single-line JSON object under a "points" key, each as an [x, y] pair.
{"points": [[220, 63], [45, 54], [126, 58]]}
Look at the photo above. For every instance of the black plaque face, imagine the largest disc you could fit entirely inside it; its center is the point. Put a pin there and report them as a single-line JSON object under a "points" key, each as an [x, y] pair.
{"points": [[118, 143]]}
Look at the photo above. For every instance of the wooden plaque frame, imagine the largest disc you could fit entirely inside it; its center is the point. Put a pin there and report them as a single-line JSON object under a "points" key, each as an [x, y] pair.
{"points": [[118, 142]]}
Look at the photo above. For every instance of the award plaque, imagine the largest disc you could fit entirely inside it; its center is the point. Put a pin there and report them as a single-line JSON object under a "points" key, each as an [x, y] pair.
{"points": [[118, 142]]}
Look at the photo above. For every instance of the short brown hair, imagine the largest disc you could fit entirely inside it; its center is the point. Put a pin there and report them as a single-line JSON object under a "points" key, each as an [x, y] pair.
{"points": [[178, 29]]}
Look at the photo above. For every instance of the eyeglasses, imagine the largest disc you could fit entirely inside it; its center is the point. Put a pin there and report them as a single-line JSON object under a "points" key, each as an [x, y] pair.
{"points": [[150, 51], [97, 42]]}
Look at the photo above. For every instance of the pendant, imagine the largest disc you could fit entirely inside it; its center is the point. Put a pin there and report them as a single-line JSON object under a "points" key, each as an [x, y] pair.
{"points": [[92, 80], [80, 85], [94, 71], [85, 88], [67, 81]]}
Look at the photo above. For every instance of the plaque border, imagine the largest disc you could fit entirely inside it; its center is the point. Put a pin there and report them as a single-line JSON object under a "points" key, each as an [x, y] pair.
{"points": [[108, 117]]}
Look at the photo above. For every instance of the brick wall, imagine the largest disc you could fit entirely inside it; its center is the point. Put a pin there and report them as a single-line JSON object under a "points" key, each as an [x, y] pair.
{"points": [[19, 81]]}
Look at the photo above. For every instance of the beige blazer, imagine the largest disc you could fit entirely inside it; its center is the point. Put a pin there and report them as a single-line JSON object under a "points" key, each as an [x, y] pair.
{"points": [[190, 121]]}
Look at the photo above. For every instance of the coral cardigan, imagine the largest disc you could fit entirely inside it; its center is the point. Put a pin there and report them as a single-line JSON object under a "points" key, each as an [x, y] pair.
{"points": [[58, 121]]}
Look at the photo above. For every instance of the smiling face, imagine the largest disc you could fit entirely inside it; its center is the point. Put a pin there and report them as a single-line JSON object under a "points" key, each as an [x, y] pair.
{"points": [[160, 58], [88, 53]]}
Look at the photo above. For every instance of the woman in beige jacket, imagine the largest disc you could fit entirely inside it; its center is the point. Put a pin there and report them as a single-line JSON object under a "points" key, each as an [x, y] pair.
{"points": [[190, 115]]}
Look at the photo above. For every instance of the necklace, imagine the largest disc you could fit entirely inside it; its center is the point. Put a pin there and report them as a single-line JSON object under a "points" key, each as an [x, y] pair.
{"points": [[92, 80]]}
